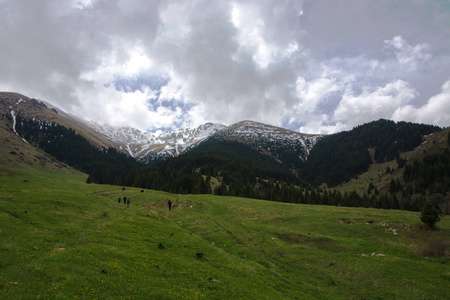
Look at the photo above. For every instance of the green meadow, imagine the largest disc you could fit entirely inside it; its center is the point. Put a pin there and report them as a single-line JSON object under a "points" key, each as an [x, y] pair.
{"points": [[61, 238]]}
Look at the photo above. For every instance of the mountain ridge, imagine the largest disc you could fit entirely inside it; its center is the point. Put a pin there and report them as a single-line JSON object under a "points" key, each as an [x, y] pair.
{"points": [[246, 159], [147, 147]]}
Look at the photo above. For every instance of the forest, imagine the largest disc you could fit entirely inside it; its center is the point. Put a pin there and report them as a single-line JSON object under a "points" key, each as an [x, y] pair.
{"points": [[339, 157], [230, 168], [105, 166]]}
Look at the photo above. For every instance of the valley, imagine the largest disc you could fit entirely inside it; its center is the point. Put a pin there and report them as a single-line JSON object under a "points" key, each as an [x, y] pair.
{"points": [[63, 233], [63, 238]]}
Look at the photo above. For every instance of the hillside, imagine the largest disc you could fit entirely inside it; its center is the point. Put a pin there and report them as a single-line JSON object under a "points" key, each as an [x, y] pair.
{"points": [[63, 238], [14, 103], [339, 157], [389, 177], [37, 135]]}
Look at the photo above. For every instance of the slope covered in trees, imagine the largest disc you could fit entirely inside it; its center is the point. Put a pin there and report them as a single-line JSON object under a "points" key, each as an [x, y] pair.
{"points": [[339, 157], [237, 166], [105, 165]]}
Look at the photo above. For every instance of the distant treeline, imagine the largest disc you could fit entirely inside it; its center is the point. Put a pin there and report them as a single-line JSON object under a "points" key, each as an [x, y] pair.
{"points": [[106, 166]]}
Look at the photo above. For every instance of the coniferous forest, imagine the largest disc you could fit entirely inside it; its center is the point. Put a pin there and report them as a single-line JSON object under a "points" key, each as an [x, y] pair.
{"points": [[339, 157], [105, 166], [225, 167]]}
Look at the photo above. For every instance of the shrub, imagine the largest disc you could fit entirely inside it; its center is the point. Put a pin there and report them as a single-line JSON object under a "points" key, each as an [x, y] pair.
{"points": [[430, 213]]}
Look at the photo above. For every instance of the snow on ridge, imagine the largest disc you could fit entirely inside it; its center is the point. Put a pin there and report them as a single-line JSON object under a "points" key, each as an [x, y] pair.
{"points": [[146, 146], [138, 143]]}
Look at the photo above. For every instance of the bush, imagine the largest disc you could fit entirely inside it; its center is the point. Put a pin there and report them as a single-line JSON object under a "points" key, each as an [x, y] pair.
{"points": [[430, 213]]}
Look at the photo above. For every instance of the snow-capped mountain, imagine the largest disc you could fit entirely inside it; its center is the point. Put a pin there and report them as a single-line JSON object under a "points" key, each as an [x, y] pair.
{"points": [[287, 146], [146, 146], [271, 140]]}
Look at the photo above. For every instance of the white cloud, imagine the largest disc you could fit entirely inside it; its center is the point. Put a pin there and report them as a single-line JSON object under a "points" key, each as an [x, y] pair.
{"points": [[435, 111], [254, 23], [318, 127], [311, 93], [406, 54], [373, 105]]}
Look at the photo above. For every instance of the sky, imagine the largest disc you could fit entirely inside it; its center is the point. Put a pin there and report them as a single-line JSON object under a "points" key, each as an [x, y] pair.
{"points": [[313, 66]]}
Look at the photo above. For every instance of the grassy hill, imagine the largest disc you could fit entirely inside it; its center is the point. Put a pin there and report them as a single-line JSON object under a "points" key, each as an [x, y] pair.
{"points": [[63, 238]]}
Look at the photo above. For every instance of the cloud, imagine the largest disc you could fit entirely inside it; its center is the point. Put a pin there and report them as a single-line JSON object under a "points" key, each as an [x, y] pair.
{"points": [[406, 54], [169, 63], [311, 93], [435, 111], [221, 68], [373, 105]]}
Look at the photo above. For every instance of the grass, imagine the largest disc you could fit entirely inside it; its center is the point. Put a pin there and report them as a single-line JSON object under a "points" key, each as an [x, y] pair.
{"points": [[63, 238]]}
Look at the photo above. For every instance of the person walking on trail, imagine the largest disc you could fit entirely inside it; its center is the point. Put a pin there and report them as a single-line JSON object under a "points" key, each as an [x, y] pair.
{"points": [[128, 203], [170, 204], [119, 199], [124, 200]]}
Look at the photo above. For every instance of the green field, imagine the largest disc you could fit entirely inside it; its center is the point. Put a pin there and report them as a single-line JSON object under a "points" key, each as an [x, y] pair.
{"points": [[65, 239]]}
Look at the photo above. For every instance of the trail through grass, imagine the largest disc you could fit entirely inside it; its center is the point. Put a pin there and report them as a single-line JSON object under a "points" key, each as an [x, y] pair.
{"points": [[63, 238]]}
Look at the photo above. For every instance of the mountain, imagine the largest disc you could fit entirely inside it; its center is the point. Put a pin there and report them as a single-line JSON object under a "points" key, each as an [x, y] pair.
{"points": [[13, 104], [285, 146], [288, 147], [281, 144], [35, 132], [339, 157], [400, 163], [146, 146]]}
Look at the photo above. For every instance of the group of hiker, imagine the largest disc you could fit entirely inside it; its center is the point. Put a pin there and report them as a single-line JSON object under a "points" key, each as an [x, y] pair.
{"points": [[127, 202]]}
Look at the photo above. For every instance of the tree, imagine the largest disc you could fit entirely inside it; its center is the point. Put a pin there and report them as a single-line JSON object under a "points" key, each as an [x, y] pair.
{"points": [[430, 213]]}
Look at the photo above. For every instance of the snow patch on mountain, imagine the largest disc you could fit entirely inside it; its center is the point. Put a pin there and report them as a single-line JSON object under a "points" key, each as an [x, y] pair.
{"points": [[272, 140], [147, 146]]}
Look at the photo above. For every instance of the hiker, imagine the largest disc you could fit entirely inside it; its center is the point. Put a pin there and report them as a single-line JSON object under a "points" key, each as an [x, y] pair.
{"points": [[128, 203], [119, 199], [170, 204], [124, 200]]}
